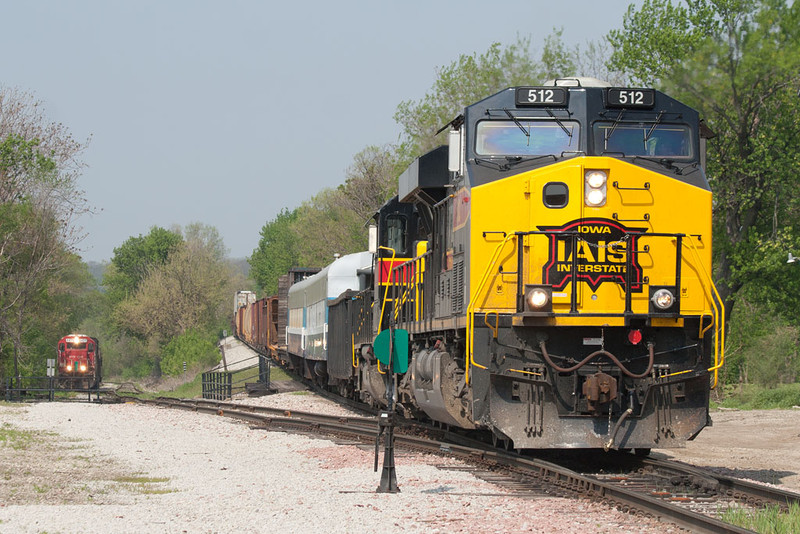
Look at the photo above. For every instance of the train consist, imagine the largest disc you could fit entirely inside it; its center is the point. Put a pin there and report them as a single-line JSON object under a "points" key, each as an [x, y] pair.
{"points": [[79, 362], [551, 266]]}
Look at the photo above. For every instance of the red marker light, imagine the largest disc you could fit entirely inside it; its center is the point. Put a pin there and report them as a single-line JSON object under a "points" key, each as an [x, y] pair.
{"points": [[635, 337]]}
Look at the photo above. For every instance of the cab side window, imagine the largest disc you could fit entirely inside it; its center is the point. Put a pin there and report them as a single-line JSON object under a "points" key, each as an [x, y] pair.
{"points": [[555, 195], [396, 233]]}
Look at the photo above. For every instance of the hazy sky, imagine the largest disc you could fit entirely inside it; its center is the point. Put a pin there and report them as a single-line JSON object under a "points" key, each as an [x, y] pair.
{"points": [[226, 112]]}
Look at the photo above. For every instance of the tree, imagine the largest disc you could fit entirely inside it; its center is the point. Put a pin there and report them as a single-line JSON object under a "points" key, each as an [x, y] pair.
{"points": [[370, 181], [191, 289], [207, 237], [738, 63], [39, 202], [334, 220], [472, 78], [324, 227], [69, 296], [468, 79], [276, 252], [195, 348], [134, 259]]}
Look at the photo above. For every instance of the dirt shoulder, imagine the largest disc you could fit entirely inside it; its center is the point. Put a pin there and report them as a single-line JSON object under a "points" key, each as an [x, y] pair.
{"points": [[761, 445]]}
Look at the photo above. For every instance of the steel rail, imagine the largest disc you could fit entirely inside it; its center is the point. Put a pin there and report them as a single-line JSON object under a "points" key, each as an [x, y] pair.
{"points": [[559, 476], [270, 416], [744, 490]]}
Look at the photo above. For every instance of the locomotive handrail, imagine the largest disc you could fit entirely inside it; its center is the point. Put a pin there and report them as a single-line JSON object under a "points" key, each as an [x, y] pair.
{"points": [[719, 332], [410, 286], [407, 283], [628, 261], [681, 240], [408, 276], [471, 306], [386, 291]]}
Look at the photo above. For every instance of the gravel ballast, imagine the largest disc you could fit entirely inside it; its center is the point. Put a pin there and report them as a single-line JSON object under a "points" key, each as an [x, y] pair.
{"points": [[146, 469]]}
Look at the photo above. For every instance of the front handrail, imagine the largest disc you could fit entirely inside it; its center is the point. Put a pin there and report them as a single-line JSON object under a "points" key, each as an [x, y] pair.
{"points": [[411, 273], [718, 316], [472, 304]]}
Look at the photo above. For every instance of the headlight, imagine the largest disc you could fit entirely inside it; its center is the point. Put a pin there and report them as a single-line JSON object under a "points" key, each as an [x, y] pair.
{"points": [[537, 298], [69, 367], [596, 179], [595, 198], [595, 188], [663, 299], [83, 368]]}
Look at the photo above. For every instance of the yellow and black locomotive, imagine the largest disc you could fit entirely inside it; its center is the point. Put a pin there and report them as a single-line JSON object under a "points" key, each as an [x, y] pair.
{"points": [[551, 266], [554, 271]]}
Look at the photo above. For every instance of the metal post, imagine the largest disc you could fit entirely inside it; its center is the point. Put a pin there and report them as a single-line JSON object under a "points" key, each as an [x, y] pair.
{"points": [[388, 475]]}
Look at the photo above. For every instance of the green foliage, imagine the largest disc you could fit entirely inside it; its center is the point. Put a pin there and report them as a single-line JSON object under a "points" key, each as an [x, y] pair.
{"points": [[196, 348], [191, 290], [141, 366], [334, 220], [738, 63], [762, 346], [70, 296], [472, 78], [750, 397], [206, 237], [469, 79], [324, 228], [22, 163], [40, 278], [655, 37], [276, 253], [134, 259], [123, 355], [43, 291], [769, 520]]}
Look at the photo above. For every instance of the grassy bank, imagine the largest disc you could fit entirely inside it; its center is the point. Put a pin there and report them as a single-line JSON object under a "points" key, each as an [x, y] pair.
{"points": [[768, 521], [194, 388], [752, 397]]}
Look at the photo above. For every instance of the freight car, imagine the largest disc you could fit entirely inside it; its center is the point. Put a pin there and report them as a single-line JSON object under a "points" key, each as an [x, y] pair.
{"points": [[79, 362], [551, 265]]}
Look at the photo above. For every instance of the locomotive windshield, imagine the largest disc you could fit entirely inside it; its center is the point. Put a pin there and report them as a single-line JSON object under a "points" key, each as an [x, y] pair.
{"points": [[76, 345], [644, 139], [526, 138]]}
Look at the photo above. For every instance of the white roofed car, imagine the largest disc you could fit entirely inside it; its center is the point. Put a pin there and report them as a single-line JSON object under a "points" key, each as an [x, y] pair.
{"points": [[308, 311]]}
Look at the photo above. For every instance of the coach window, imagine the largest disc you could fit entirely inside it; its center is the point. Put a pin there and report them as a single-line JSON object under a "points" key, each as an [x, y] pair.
{"points": [[556, 195], [396, 233]]}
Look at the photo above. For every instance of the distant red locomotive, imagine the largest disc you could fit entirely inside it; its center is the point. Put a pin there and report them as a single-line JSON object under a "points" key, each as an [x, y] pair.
{"points": [[79, 361]]}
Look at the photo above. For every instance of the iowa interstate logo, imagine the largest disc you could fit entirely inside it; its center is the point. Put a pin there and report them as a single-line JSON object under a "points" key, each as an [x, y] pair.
{"points": [[601, 249]]}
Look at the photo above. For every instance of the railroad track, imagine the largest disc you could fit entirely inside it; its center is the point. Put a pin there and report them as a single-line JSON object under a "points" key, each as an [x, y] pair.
{"points": [[672, 492]]}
